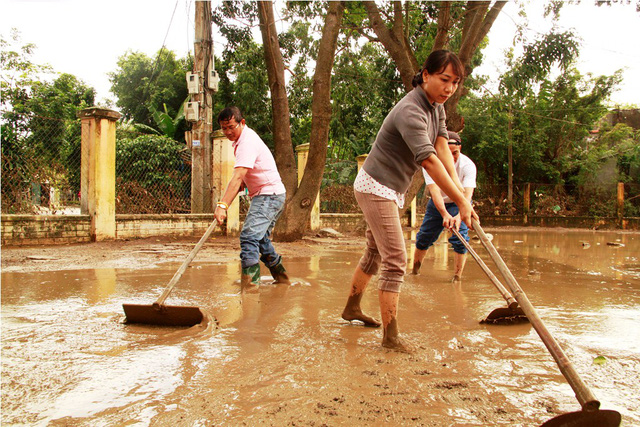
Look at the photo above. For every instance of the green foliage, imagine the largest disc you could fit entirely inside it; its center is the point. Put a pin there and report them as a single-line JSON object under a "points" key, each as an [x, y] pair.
{"points": [[18, 74], [169, 126], [40, 130], [366, 86], [152, 161], [618, 149], [548, 129], [599, 360], [144, 85]]}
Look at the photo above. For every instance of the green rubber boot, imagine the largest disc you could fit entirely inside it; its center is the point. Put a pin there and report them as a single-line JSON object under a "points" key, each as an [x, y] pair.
{"points": [[250, 276]]}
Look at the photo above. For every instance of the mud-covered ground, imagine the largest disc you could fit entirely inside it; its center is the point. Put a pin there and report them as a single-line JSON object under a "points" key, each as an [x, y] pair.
{"points": [[283, 356]]}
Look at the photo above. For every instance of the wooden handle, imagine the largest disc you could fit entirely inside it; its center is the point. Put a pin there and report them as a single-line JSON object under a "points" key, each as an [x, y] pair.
{"points": [[160, 301], [511, 302], [583, 394]]}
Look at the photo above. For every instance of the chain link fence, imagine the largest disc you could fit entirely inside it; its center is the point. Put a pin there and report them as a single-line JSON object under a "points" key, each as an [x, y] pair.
{"points": [[41, 169], [153, 175], [41, 166], [336, 191], [41, 161]]}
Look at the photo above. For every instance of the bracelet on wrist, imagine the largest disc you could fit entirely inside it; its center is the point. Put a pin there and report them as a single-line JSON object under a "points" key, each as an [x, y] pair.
{"points": [[223, 205]]}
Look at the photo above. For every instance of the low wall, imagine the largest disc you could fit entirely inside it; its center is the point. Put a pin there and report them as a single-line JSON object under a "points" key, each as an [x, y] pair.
{"points": [[59, 229], [170, 225], [45, 229]]}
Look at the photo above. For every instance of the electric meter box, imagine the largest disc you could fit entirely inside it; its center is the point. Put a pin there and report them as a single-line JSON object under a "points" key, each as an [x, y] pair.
{"points": [[214, 80], [192, 112], [193, 83]]}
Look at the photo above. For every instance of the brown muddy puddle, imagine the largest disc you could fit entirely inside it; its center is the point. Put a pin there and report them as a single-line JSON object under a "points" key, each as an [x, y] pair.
{"points": [[283, 356]]}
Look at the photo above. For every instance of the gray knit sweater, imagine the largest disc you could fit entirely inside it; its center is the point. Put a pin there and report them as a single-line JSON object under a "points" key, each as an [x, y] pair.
{"points": [[405, 140]]}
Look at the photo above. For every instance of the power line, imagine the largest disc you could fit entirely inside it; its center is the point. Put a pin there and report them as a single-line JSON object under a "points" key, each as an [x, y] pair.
{"points": [[155, 64]]}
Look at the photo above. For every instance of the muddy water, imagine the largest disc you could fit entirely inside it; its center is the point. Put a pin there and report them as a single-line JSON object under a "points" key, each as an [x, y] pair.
{"points": [[282, 355]]}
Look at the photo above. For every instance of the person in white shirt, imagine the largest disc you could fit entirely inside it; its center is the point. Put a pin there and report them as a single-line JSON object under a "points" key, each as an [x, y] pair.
{"points": [[441, 211]]}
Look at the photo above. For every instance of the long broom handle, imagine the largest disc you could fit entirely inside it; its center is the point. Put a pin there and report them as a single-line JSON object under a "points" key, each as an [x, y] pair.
{"points": [[160, 301], [587, 400], [511, 302]]}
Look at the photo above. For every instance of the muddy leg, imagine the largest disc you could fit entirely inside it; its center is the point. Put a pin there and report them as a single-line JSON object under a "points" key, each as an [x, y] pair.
{"points": [[352, 310], [418, 256], [459, 261], [389, 311]]}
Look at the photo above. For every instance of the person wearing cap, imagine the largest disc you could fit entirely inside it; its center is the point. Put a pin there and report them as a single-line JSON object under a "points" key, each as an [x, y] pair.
{"points": [[441, 211], [255, 168]]}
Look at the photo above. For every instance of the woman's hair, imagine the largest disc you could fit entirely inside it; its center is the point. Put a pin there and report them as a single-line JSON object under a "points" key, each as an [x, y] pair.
{"points": [[229, 113], [437, 62]]}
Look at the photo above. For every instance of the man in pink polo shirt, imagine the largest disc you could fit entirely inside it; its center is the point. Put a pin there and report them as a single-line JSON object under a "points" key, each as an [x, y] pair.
{"points": [[256, 169]]}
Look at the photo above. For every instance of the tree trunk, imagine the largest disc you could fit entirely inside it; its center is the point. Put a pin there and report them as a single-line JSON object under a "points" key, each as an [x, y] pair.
{"points": [[444, 25], [295, 217], [394, 41], [284, 155], [478, 20]]}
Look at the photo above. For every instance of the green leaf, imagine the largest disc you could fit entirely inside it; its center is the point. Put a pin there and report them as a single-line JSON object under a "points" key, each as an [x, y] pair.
{"points": [[600, 360]]}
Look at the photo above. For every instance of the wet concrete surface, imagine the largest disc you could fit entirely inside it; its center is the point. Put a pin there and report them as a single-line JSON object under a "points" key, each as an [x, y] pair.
{"points": [[281, 355]]}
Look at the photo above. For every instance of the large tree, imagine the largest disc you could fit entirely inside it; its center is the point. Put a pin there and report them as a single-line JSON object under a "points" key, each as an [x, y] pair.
{"points": [[40, 130], [414, 27], [401, 30], [277, 59], [300, 198], [144, 85]]}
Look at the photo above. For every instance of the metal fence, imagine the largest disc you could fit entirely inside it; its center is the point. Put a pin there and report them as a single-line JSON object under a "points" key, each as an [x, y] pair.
{"points": [[41, 169], [41, 164], [41, 159], [153, 175], [544, 200]]}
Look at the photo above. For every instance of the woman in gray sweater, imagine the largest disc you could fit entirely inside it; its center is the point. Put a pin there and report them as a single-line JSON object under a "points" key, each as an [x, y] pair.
{"points": [[410, 135]]}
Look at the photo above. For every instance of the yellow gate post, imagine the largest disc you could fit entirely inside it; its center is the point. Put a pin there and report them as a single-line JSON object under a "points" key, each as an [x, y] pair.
{"points": [[303, 153], [98, 171], [223, 161]]}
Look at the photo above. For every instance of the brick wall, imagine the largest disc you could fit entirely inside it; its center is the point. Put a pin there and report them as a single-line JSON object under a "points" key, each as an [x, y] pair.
{"points": [[45, 229], [177, 225], [58, 229]]}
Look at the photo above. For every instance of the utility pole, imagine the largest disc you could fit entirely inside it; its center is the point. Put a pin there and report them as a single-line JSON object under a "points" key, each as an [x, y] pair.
{"points": [[199, 111]]}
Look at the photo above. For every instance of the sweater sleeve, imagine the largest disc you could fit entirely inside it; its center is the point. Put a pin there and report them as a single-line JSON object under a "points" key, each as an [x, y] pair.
{"points": [[442, 125], [415, 128]]}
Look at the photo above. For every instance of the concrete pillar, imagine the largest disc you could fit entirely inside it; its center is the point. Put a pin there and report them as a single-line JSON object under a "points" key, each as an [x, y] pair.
{"points": [[526, 203], [620, 204], [360, 159], [222, 162], [98, 171], [303, 154]]}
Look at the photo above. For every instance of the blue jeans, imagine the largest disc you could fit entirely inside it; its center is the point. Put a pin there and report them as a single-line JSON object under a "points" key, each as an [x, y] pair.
{"points": [[255, 242], [432, 227]]}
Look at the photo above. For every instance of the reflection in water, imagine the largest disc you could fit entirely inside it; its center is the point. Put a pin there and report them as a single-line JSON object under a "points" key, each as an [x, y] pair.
{"points": [[67, 356]]}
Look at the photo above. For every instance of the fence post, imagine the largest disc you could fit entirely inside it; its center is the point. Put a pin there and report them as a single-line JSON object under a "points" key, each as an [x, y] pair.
{"points": [[98, 171], [621, 204], [527, 202], [303, 153], [360, 159], [223, 161]]}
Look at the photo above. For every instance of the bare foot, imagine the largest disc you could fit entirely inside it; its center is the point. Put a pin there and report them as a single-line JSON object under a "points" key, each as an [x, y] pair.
{"points": [[396, 344], [456, 278], [353, 314]]}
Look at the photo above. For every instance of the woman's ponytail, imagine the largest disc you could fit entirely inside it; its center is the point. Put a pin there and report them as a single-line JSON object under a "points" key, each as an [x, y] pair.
{"points": [[417, 79]]}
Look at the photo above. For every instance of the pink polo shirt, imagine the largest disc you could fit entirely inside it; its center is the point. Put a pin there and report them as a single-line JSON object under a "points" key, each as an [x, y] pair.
{"points": [[252, 153]]}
